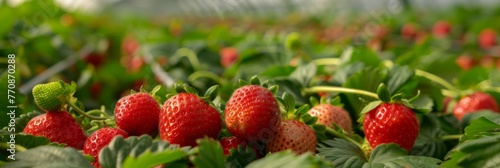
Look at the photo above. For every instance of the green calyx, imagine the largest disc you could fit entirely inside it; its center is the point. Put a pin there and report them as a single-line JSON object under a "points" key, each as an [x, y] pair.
{"points": [[385, 97], [208, 97], [53, 96]]}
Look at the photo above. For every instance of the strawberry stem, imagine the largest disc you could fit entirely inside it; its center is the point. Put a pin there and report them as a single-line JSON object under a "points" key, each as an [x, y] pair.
{"points": [[77, 109], [191, 55], [451, 137], [316, 89], [343, 136], [389, 64], [435, 78], [18, 147]]}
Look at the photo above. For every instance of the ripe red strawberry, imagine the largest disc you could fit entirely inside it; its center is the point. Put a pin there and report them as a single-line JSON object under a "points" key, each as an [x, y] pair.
{"points": [[474, 102], [227, 56], [409, 31], [487, 38], [294, 135], [441, 29], [186, 117], [130, 45], [391, 123], [252, 113], [98, 140], [57, 126], [229, 143], [96, 59], [328, 114], [137, 114], [465, 62]]}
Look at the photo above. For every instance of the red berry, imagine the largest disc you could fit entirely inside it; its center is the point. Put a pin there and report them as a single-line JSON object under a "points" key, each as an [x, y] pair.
{"points": [[409, 31], [228, 56], [441, 29], [96, 59], [138, 114], [465, 62], [185, 118], [252, 113], [98, 140], [487, 38], [474, 102], [229, 143], [391, 123], [294, 135], [57, 126], [129, 45], [328, 115]]}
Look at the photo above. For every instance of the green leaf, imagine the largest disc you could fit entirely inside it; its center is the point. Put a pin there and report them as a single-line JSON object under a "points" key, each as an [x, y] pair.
{"points": [[428, 142], [398, 76], [240, 157], [304, 74], [488, 114], [345, 71], [342, 153], [210, 154], [119, 149], [483, 152], [368, 108], [49, 157], [383, 93], [212, 92], [26, 140], [22, 121], [278, 71], [346, 154], [423, 104], [289, 159], [367, 79], [149, 159], [391, 155], [472, 77], [478, 128]]}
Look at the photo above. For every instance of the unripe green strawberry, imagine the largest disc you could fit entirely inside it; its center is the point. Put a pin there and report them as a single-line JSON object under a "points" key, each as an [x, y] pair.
{"points": [[50, 96]]}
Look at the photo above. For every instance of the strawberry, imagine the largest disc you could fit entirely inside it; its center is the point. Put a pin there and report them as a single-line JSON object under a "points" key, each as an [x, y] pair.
{"points": [[465, 62], [227, 56], [487, 38], [186, 117], [409, 31], [328, 115], [391, 123], [252, 113], [96, 59], [389, 120], [474, 102], [229, 143], [441, 29], [57, 126], [50, 96], [294, 135], [137, 114], [98, 140]]}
